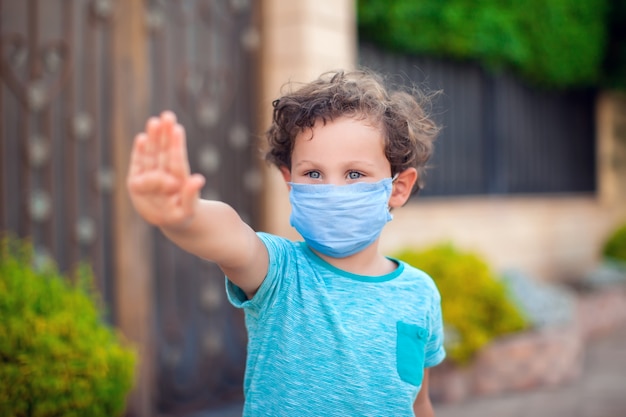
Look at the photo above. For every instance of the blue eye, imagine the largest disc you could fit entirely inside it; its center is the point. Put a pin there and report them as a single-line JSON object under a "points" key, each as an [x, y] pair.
{"points": [[313, 174], [354, 175]]}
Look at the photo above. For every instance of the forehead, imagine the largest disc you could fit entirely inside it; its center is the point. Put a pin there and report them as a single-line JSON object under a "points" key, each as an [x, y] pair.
{"points": [[341, 130], [344, 137]]}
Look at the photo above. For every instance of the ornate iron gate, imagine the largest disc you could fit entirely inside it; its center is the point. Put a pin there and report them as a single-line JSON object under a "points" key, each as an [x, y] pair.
{"points": [[58, 162], [199, 68]]}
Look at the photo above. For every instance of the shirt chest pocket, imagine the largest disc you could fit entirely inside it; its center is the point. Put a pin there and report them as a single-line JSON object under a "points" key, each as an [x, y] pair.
{"points": [[410, 352]]}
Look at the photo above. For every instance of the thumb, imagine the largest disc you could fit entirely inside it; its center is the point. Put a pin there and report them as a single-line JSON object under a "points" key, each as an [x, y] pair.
{"points": [[190, 192]]}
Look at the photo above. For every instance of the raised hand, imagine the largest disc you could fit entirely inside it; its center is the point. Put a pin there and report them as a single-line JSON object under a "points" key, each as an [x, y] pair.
{"points": [[161, 187]]}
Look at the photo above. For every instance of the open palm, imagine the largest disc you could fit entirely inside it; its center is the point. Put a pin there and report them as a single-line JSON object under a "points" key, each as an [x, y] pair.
{"points": [[161, 187]]}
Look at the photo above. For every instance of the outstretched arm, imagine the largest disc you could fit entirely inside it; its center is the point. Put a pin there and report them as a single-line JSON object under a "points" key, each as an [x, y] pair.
{"points": [[167, 195]]}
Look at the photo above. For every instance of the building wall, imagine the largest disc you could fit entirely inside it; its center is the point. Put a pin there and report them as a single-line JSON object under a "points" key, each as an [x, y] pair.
{"points": [[549, 237], [301, 39]]}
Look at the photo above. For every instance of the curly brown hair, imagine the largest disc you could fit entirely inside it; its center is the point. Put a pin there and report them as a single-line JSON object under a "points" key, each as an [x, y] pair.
{"points": [[408, 130]]}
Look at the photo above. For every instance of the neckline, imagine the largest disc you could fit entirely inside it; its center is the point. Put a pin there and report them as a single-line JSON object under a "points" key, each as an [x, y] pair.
{"points": [[356, 277]]}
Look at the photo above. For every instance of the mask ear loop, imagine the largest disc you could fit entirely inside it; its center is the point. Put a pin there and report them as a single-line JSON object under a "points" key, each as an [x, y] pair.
{"points": [[393, 179]]}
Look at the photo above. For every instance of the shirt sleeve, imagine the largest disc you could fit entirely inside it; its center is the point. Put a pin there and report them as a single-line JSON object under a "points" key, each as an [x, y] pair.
{"points": [[435, 351], [266, 295]]}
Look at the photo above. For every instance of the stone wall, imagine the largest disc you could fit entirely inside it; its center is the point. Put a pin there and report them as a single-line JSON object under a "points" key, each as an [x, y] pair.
{"points": [[611, 146], [541, 358]]}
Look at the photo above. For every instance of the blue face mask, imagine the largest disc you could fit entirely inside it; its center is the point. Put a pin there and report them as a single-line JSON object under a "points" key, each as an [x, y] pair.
{"points": [[339, 221]]}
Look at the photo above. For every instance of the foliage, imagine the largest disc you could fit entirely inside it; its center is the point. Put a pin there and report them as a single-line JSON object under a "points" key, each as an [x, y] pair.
{"points": [[615, 245], [557, 43], [57, 358], [475, 305]]}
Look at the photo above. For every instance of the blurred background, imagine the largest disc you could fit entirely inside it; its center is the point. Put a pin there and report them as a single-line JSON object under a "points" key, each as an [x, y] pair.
{"points": [[526, 187]]}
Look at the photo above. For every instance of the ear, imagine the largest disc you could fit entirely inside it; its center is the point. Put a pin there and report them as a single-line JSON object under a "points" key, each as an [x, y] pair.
{"points": [[286, 174], [402, 187]]}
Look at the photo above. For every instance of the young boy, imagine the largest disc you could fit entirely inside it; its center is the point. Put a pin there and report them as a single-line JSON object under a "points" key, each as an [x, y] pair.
{"points": [[334, 327]]}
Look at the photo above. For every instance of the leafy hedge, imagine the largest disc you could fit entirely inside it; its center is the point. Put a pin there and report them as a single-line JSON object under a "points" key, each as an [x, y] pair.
{"points": [[615, 245], [476, 306], [57, 358], [556, 43]]}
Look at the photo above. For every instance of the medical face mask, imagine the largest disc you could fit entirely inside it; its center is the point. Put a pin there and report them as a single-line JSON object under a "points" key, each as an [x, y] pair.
{"points": [[339, 221]]}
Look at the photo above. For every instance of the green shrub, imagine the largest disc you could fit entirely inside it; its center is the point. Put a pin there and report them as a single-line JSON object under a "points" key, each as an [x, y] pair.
{"points": [[615, 245], [57, 358], [476, 306], [556, 43]]}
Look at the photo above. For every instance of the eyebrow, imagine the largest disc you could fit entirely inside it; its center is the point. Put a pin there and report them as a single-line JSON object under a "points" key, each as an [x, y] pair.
{"points": [[305, 162], [356, 162]]}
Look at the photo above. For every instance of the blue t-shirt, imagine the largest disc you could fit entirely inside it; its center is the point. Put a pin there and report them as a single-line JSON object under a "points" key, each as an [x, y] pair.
{"points": [[325, 342]]}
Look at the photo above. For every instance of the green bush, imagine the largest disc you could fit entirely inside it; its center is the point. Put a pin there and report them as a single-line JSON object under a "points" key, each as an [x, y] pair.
{"points": [[615, 245], [556, 43], [57, 358], [476, 306]]}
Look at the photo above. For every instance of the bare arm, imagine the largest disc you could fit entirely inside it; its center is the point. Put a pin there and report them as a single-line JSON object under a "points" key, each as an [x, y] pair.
{"points": [[422, 407], [166, 195]]}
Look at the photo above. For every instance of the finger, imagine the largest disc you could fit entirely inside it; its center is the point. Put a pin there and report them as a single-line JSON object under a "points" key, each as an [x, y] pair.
{"points": [[136, 157], [168, 121], [153, 129], [163, 150], [168, 117], [191, 190], [145, 153], [178, 161]]}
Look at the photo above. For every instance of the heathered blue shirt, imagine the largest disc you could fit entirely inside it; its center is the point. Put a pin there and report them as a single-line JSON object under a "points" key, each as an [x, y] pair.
{"points": [[325, 342]]}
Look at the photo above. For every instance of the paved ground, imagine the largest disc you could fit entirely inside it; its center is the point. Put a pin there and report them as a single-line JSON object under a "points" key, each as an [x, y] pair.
{"points": [[600, 392]]}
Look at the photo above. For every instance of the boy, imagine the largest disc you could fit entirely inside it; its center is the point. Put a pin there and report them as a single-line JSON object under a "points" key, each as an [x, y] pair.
{"points": [[334, 327]]}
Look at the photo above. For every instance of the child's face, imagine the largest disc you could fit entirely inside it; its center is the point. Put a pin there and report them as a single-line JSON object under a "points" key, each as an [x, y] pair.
{"points": [[341, 152]]}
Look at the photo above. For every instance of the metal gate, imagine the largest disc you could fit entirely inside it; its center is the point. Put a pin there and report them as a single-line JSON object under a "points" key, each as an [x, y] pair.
{"points": [[499, 135], [200, 69], [62, 177]]}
